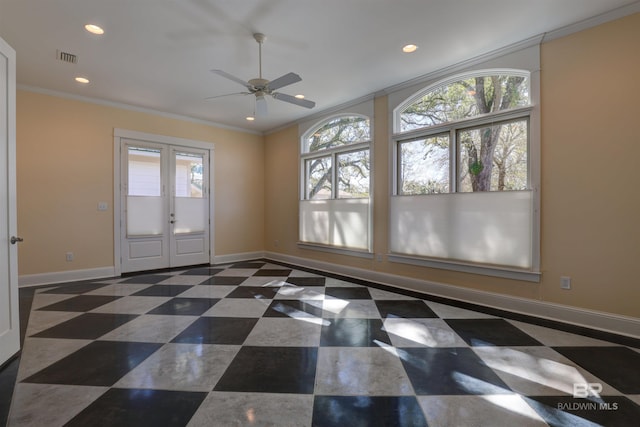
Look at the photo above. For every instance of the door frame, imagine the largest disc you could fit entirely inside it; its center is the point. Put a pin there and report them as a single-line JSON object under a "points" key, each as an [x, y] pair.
{"points": [[122, 134]]}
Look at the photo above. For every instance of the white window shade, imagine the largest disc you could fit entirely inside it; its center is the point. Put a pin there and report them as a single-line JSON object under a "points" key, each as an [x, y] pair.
{"points": [[493, 228], [337, 222], [145, 216], [190, 214]]}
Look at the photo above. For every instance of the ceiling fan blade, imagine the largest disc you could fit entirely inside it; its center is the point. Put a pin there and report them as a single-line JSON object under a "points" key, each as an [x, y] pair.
{"points": [[293, 100], [232, 78], [228, 94], [261, 106], [282, 81]]}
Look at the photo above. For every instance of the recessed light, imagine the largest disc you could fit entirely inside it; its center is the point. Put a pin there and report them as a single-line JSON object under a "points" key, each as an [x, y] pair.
{"points": [[94, 29], [250, 118], [299, 96], [82, 80], [409, 48]]}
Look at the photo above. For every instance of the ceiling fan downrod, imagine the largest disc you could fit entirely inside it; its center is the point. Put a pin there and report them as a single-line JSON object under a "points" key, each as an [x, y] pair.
{"points": [[260, 38]]}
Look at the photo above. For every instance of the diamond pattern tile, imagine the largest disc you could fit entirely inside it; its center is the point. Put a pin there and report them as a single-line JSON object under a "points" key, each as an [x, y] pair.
{"points": [[259, 343]]}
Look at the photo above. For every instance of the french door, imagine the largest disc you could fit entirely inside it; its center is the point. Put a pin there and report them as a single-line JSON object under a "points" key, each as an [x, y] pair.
{"points": [[165, 209], [9, 318]]}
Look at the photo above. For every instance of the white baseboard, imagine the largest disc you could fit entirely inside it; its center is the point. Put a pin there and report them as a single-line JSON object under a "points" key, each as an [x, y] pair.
{"points": [[65, 276], [245, 256], [607, 322]]}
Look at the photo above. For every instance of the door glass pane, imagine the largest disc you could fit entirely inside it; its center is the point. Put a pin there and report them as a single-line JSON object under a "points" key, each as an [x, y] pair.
{"points": [[144, 172], [144, 185], [424, 166], [190, 204], [189, 169]]}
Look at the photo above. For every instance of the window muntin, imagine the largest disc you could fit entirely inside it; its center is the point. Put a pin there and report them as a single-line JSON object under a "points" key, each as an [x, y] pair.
{"points": [[465, 98], [424, 165]]}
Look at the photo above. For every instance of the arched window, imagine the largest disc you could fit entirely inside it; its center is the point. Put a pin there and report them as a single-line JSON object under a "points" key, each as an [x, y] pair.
{"points": [[342, 141], [470, 134], [335, 182], [465, 97]]}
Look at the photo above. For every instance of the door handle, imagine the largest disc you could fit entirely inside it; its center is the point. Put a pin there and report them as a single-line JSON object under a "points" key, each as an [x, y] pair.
{"points": [[15, 240]]}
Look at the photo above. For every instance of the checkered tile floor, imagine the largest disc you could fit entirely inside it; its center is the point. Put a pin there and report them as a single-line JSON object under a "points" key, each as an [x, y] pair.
{"points": [[260, 344]]}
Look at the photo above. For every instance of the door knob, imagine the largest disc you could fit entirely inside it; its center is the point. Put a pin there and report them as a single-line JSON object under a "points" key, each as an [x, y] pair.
{"points": [[15, 240]]}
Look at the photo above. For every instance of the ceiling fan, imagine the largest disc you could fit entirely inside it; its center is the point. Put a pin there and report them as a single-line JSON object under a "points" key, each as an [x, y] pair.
{"points": [[262, 87]]}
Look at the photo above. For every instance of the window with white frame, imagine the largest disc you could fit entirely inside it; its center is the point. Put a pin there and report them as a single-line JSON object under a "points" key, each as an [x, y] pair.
{"points": [[462, 187], [335, 183]]}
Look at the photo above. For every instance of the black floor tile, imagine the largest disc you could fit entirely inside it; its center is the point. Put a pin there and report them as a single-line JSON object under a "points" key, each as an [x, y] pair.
{"points": [[163, 290], [449, 371], [249, 264], [140, 407], [8, 374], [100, 363], [217, 330], [224, 281], [490, 332], [617, 366], [609, 411], [256, 292], [147, 279], [354, 333], [185, 306], [271, 370], [404, 308], [204, 271], [294, 309], [80, 303], [272, 272], [369, 411], [307, 281], [75, 288], [348, 293], [86, 326]]}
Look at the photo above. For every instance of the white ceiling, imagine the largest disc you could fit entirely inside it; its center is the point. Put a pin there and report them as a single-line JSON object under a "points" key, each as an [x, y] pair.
{"points": [[157, 54]]}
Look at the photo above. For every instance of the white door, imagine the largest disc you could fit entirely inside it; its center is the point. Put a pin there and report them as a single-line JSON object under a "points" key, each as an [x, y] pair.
{"points": [[165, 206], [9, 316]]}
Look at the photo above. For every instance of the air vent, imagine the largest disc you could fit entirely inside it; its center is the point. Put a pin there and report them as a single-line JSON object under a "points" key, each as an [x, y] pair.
{"points": [[66, 57]]}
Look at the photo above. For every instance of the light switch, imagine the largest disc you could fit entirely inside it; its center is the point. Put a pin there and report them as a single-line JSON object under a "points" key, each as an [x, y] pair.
{"points": [[103, 206]]}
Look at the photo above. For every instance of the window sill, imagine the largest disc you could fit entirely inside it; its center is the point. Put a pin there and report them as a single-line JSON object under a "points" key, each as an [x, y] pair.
{"points": [[494, 271], [360, 253]]}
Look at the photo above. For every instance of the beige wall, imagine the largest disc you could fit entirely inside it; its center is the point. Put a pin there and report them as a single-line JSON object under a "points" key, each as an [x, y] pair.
{"points": [[589, 194], [65, 167]]}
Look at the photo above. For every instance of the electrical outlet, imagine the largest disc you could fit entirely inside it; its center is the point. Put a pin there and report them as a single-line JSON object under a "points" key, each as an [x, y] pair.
{"points": [[69, 256], [565, 282]]}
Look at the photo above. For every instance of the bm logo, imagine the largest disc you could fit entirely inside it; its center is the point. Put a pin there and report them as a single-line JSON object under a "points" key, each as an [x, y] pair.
{"points": [[584, 390]]}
